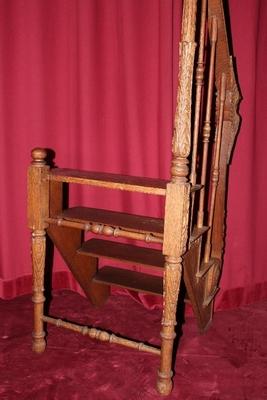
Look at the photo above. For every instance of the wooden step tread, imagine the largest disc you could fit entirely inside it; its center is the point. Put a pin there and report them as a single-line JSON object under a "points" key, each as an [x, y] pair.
{"points": [[137, 223], [206, 266], [109, 180], [195, 188], [124, 252], [131, 280], [112, 181], [209, 299], [197, 232]]}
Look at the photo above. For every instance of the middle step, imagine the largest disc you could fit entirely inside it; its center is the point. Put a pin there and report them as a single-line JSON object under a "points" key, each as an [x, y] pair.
{"points": [[123, 252]]}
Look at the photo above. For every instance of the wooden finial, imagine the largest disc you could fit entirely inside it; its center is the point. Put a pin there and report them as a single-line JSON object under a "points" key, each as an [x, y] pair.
{"points": [[38, 156]]}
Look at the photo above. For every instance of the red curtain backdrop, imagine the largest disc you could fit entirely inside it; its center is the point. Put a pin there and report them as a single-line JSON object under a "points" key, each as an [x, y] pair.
{"points": [[95, 80]]}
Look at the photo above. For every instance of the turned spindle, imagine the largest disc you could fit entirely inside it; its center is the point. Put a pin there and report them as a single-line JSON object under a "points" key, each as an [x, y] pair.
{"points": [[207, 122], [200, 70], [199, 82], [101, 335], [107, 230]]}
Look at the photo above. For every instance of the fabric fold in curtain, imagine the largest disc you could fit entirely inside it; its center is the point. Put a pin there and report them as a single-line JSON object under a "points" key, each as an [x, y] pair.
{"points": [[95, 80]]}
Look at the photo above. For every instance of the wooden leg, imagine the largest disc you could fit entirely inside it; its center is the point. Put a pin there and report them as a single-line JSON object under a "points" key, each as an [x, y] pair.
{"points": [[171, 287], [38, 265]]}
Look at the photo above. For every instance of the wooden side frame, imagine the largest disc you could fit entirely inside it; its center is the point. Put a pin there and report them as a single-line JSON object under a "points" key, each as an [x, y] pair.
{"points": [[224, 65]]}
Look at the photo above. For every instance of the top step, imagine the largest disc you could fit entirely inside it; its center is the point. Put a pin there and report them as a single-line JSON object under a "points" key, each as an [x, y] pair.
{"points": [[109, 180], [112, 181]]}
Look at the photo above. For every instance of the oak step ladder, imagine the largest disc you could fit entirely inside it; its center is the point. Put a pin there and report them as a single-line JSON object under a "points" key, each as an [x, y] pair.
{"points": [[185, 246]]}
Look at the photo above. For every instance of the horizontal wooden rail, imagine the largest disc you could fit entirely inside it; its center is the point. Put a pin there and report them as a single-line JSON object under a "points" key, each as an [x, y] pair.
{"points": [[103, 336], [107, 230], [128, 222]]}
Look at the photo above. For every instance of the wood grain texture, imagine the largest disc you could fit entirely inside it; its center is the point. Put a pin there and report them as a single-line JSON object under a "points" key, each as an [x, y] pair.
{"points": [[176, 219]]}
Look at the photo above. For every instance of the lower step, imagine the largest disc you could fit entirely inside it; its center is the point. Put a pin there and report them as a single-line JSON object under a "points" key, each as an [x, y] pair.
{"points": [[123, 252], [131, 280]]}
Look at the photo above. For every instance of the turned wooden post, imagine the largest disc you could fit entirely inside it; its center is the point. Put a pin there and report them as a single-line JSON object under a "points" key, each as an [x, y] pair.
{"points": [[177, 198], [207, 123], [200, 70], [38, 208]]}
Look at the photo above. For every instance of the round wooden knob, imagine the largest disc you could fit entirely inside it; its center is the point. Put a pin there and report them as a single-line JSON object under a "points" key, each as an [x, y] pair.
{"points": [[39, 155]]}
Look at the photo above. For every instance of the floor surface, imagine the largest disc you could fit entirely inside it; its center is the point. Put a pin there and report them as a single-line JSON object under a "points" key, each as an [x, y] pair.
{"points": [[227, 362]]}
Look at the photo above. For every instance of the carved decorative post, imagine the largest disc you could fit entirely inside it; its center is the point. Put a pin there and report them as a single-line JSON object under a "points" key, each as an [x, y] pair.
{"points": [[177, 197], [38, 208]]}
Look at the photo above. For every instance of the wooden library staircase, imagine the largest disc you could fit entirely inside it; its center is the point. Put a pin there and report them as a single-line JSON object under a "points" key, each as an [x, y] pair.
{"points": [[189, 240]]}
